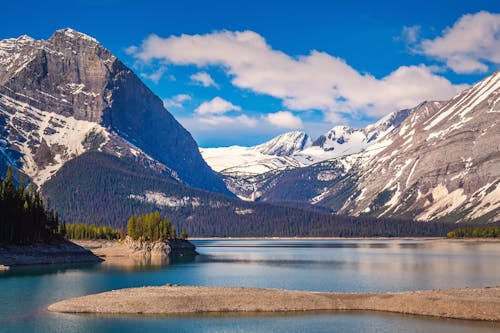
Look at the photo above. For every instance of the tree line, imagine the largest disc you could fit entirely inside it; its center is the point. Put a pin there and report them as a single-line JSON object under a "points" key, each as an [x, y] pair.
{"points": [[91, 231], [479, 232], [24, 219], [152, 227], [72, 190]]}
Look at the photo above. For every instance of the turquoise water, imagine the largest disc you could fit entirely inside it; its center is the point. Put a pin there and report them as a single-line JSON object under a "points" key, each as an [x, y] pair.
{"points": [[336, 265]]}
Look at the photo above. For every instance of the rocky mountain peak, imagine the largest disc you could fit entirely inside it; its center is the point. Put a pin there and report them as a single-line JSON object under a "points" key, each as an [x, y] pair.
{"points": [[73, 35], [285, 144], [66, 95], [335, 136]]}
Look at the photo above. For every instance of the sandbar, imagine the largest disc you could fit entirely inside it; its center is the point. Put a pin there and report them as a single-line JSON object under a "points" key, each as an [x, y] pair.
{"points": [[464, 303]]}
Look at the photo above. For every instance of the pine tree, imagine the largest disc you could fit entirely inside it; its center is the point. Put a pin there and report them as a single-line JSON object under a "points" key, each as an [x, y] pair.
{"points": [[184, 234]]}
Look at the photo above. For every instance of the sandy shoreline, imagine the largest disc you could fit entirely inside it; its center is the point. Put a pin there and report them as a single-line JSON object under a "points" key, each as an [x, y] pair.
{"points": [[466, 303]]}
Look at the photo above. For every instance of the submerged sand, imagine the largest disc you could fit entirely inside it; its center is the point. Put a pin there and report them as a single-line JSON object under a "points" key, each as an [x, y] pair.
{"points": [[466, 303]]}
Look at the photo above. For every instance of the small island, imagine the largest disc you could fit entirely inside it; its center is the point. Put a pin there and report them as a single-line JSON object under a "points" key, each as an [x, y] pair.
{"points": [[466, 303], [150, 239]]}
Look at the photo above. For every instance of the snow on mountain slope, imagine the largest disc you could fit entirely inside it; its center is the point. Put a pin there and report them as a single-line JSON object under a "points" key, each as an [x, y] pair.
{"points": [[443, 164], [247, 170], [294, 149], [68, 136], [274, 154], [286, 144]]}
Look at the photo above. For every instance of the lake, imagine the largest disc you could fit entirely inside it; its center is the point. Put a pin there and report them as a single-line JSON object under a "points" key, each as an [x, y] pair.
{"points": [[318, 265]]}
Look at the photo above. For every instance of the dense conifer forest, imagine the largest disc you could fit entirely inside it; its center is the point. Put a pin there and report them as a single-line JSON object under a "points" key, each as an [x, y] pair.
{"points": [[24, 219], [215, 216], [472, 232]]}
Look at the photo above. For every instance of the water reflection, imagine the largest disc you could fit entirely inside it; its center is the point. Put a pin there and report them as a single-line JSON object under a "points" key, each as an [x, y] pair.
{"points": [[323, 265]]}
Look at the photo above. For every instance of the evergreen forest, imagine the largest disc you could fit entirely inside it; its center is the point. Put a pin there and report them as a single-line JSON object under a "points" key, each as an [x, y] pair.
{"points": [[475, 232], [152, 227], [24, 219]]}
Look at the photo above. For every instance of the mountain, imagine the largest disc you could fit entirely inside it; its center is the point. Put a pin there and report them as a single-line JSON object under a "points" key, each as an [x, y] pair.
{"points": [[443, 164], [439, 161], [286, 144], [275, 154], [68, 95], [253, 173]]}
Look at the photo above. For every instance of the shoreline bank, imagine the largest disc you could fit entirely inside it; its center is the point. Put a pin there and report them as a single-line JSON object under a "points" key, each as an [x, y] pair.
{"points": [[466, 303], [61, 252]]}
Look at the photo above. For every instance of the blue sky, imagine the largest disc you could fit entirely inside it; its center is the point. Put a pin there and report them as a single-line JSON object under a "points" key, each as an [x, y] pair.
{"points": [[241, 72]]}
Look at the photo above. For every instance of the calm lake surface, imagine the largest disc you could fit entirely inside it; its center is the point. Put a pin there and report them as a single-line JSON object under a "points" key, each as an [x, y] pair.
{"points": [[320, 265]]}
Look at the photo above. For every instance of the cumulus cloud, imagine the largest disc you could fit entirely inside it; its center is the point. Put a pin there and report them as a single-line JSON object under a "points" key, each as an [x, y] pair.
{"points": [[285, 119], [176, 101], [204, 79], [316, 81], [216, 106], [469, 45]]}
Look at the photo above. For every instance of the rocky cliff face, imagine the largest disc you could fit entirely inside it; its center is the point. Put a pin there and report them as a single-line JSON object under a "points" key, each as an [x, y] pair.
{"points": [[68, 95]]}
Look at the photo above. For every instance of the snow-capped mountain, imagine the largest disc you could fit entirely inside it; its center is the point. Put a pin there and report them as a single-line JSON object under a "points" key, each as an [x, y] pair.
{"points": [[438, 161], [444, 162], [68, 95], [296, 149], [277, 153], [286, 144], [244, 168]]}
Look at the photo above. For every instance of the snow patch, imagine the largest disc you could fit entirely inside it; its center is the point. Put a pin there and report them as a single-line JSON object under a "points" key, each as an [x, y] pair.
{"points": [[67, 133], [443, 202], [242, 211], [160, 199]]}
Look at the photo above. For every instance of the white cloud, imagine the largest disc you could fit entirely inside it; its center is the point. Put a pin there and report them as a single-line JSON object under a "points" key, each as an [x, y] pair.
{"points": [[285, 119], [176, 101], [216, 106], [156, 75], [468, 46], [243, 120], [204, 79], [315, 81], [131, 49]]}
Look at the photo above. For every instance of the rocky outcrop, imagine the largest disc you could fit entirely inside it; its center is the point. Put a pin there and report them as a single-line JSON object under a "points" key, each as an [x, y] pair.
{"points": [[62, 252], [160, 249]]}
